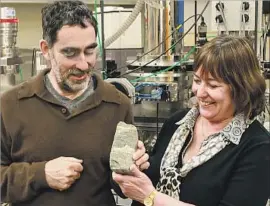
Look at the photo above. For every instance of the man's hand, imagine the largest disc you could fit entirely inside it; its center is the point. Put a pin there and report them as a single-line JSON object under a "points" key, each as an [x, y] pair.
{"points": [[140, 157], [62, 172]]}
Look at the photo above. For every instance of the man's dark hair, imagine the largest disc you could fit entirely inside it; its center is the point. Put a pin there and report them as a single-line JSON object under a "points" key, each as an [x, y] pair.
{"points": [[61, 13]]}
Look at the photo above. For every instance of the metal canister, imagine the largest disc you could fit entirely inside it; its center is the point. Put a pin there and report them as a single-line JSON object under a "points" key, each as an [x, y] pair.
{"points": [[8, 27], [9, 57]]}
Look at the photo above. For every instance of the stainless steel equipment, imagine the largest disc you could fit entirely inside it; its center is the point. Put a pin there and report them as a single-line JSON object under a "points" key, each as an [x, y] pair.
{"points": [[162, 84], [9, 56], [40, 63]]}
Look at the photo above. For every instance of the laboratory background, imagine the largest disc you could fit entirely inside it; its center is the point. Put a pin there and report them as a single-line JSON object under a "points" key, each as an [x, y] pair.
{"points": [[146, 49]]}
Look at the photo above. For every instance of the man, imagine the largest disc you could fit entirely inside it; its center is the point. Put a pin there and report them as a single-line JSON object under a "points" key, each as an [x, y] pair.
{"points": [[57, 128]]}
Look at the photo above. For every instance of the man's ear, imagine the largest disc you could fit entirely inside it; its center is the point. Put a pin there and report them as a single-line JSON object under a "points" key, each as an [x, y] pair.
{"points": [[44, 47]]}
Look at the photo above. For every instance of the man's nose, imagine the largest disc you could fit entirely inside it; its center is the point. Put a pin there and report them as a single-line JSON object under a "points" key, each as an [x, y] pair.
{"points": [[82, 63]]}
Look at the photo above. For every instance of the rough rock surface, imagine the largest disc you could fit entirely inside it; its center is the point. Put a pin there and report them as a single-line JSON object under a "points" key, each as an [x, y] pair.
{"points": [[123, 148]]}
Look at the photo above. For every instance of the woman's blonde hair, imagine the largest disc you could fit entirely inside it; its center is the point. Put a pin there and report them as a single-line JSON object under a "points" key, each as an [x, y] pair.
{"points": [[233, 61]]}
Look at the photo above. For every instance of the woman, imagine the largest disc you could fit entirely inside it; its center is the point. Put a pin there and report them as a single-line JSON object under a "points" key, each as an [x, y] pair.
{"points": [[217, 153]]}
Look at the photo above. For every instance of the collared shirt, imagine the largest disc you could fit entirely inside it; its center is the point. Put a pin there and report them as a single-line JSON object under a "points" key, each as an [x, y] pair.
{"points": [[70, 104], [232, 132]]}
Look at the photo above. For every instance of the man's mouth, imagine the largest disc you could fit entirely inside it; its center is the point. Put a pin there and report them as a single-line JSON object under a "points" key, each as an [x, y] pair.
{"points": [[79, 76]]}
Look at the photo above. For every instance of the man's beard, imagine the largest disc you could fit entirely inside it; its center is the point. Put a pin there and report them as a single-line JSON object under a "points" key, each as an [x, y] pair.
{"points": [[72, 85]]}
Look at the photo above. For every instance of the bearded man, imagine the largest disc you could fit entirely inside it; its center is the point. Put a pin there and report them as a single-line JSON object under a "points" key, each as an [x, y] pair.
{"points": [[57, 128]]}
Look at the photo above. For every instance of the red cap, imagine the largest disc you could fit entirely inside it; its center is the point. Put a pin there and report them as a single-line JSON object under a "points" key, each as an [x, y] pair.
{"points": [[9, 21]]}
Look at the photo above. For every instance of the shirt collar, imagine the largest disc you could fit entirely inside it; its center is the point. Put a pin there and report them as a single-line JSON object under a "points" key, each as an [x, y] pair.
{"points": [[103, 92], [190, 118], [233, 131]]}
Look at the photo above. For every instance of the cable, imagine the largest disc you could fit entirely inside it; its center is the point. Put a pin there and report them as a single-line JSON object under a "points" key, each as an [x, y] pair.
{"points": [[98, 34], [103, 56], [267, 27], [114, 11], [157, 118], [33, 62], [131, 18], [145, 84], [264, 46], [21, 74], [171, 46], [263, 38], [242, 20], [169, 68], [176, 29], [195, 27], [256, 26]]}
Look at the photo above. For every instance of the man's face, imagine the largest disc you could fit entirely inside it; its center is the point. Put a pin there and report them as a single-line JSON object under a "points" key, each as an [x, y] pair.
{"points": [[73, 57]]}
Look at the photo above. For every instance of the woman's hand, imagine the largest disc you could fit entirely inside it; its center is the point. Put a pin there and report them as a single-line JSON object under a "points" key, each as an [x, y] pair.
{"points": [[140, 157], [136, 186]]}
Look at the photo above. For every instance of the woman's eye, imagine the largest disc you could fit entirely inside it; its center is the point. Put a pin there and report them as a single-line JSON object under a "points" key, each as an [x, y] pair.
{"points": [[197, 81], [213, 86]]}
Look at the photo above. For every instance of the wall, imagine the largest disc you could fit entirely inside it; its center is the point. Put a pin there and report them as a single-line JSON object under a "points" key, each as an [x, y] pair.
{"points": [[209, 16], [29, 16], [30, 31], [30, 22]]}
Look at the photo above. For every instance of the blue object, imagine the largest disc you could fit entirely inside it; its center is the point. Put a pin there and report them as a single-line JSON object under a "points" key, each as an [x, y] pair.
{"points": [[180, 14]]}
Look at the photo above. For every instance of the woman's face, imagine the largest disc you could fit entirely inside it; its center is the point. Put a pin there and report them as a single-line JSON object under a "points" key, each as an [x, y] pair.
{"points": [[214, 97]]}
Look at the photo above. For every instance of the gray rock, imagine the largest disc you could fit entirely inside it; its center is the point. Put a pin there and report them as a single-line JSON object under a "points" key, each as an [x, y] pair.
{"points": [[123, 148]]}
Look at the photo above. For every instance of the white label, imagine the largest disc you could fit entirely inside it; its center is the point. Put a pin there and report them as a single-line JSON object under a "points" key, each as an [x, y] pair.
{"points": [[8, 12]]}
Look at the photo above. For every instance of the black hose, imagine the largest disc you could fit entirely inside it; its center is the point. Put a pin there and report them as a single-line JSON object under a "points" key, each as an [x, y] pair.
{"points": [[256, 26], [180, 39], [119, 69], [104, 66], [33, 62], [195, 27]]}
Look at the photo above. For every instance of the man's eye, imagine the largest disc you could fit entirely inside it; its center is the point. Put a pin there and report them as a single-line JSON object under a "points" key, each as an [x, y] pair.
{"points": [[89, 51], [69, 53]]}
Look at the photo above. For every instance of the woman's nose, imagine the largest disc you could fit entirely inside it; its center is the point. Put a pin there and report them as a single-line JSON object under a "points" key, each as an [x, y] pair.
{"points": [[201, 91]]}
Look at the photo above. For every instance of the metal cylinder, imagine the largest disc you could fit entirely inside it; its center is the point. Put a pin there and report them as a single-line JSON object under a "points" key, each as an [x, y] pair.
{"points": [[8, 27], [9, 57], [40, 62], [151, 28]]}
